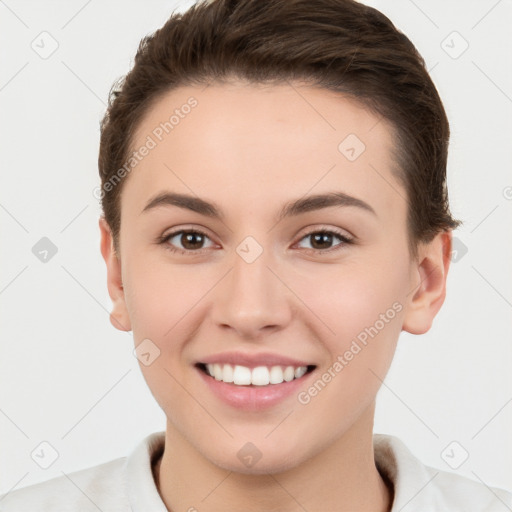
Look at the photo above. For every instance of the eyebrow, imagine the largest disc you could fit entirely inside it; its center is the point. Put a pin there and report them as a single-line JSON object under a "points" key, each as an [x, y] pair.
{"points": [[293, 208]]}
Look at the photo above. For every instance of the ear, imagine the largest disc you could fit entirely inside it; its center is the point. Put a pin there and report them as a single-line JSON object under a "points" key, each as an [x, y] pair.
{"points": [[429, 276], [119, 317]]}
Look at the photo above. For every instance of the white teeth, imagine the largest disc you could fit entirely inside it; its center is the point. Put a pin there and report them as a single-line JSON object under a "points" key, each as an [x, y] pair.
{"points": [[227, 373], [276, 375], [300, 371], [217, 371], [259, 376], [289, 373], [242, 376]]}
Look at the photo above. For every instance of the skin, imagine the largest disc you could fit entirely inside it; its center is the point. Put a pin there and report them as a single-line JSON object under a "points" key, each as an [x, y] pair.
{"points": [[251, 149]]}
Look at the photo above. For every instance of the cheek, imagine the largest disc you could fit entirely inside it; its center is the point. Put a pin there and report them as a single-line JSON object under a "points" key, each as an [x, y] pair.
{"points": [[166, 305], [159, 295], [362, 305], [160, 302], [352, 296], [366, 322], [365, 310]]}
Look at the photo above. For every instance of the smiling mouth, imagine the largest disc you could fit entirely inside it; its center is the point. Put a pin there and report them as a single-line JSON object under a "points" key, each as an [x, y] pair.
{"points": [[258, 376]]}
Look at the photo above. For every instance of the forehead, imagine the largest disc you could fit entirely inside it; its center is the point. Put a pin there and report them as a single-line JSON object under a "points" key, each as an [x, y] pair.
{"points": [[244, 145]]}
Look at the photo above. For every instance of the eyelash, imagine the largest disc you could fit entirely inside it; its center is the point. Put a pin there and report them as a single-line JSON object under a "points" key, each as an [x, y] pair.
{"points": [[164, 239]]}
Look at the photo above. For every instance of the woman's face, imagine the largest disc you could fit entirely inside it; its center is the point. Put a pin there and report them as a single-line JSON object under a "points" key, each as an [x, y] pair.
{"points": [[248, 280]]}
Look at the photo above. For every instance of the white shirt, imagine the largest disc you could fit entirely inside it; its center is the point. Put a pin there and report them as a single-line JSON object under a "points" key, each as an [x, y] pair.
{"points": [[127, 485]]}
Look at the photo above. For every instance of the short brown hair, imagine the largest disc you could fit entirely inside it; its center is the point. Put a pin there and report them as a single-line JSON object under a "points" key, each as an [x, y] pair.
{"points": [[339, 45]]}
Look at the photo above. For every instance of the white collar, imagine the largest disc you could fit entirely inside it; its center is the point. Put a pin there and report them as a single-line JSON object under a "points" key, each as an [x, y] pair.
{"points": [[138, 475]]}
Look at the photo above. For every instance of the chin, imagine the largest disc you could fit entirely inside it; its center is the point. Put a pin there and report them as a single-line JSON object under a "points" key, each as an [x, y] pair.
{"points": [[248, 459], [274, 465]]}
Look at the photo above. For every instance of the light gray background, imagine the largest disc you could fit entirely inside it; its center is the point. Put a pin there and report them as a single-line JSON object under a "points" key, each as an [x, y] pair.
{"points": [[70, 379]]}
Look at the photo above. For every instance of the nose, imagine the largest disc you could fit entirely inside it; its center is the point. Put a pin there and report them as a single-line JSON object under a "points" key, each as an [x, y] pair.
{"points": [[252, 299]]}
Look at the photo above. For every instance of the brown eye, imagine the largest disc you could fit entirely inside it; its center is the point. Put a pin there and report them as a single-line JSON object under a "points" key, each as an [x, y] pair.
{"points": [[322, 241], [190, 241]]}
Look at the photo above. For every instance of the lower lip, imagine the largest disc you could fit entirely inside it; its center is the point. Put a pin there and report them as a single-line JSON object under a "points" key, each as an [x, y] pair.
{"points": [[253, 398]]}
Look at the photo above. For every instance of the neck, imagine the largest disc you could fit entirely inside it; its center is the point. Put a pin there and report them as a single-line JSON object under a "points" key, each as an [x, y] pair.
{"points": [[343, 477]]}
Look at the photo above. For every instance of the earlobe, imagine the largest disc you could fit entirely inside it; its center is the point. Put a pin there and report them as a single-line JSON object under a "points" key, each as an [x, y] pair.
{"points": [[429, 292], [119, 317]]}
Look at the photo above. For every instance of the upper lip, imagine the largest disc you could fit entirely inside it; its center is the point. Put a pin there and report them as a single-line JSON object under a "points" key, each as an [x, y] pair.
{"points": [[253, 360]]}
